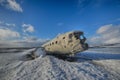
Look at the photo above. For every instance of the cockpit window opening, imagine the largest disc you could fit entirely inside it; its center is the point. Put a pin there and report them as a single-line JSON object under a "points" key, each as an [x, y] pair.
{"points": [[63, 37], [81, 36], [83, 39]]}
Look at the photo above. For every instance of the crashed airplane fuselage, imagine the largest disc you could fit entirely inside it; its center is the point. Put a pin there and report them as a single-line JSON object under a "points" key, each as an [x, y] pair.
{"points": [[68, 44]]}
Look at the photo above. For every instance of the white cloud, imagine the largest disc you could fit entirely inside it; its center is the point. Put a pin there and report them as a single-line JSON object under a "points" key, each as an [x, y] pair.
{"points": [[104, 29], [30, 38], [11, 4], [107, 34], [7, 25], [6, 34], [28, 28]]}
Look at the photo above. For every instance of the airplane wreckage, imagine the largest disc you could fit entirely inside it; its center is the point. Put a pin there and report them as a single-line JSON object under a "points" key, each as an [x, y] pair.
{"points": [[64, 45]]}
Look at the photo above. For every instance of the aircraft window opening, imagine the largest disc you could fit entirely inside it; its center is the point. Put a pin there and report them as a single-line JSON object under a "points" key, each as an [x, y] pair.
{"points": [[56, 42], [81, 37], [70, 35], [52, 42], [63, 37]]}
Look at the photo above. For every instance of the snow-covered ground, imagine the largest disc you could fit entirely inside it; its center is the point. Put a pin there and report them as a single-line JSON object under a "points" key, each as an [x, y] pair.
{"points": [[108, 58], [105, 65]]}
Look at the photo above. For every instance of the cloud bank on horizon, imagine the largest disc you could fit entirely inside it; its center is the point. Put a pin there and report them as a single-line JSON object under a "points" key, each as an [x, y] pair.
{"points": [[8, 31], [107, 34], [7, 34]]}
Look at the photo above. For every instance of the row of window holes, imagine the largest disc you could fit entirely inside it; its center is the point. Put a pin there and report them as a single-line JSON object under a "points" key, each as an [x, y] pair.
{"points": [[56, 43]]}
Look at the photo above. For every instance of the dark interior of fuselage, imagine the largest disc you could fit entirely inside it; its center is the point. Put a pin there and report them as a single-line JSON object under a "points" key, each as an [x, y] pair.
{"points": [[80, 36]]}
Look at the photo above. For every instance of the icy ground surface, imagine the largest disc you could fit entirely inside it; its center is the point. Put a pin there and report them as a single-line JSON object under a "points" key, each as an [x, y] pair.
{"points": [[103, 66]]}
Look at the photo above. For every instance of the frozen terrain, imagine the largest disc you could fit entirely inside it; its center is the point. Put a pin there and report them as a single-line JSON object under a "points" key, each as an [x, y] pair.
{"points": [[105, 65]]}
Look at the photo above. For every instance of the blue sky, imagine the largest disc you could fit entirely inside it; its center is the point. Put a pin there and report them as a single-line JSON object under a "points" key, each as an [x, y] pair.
{"points": [[46, 18]]}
